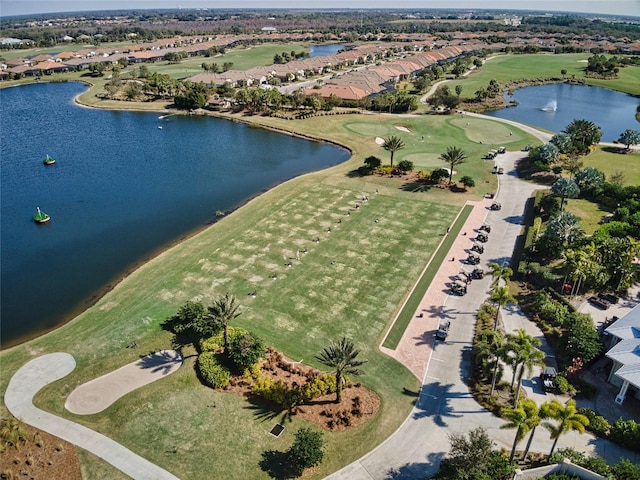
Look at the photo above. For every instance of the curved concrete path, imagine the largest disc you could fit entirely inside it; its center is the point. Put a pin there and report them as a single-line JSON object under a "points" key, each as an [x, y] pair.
{"points": [[40, 372], [100, 393]]}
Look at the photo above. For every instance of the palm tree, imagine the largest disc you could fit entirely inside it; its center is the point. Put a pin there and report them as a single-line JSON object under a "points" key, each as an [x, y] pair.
{"points": [[223, 310], [453, 156], [522, 348], [501, 296], [491, 346], [393, 144], [584, 134], [535, 358], [565, 188], [499, 272], [342, 357], [533, 420], [523, 418], [567, 417]]}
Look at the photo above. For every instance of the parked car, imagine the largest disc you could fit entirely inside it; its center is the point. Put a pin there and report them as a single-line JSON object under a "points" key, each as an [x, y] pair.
{"points": [[477, 248], [459, 288], [473, 259], [609, 297], [599, 302], [443, 330], [477, 273], [485, 228], [495, 206], [462, 278], [548, 379], [482, 237], [502, 150]]}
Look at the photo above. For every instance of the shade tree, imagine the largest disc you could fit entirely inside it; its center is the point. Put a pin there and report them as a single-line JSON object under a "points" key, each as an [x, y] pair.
{"points": [[629, 137]]}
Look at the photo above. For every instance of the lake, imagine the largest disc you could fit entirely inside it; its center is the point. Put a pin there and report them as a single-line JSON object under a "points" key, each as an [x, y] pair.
{"points": [[613, 112], [124, 186], [325, 49]]}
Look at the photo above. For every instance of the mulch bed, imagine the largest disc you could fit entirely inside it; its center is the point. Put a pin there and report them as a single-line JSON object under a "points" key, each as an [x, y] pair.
{"points": [[358, 403], [40, 457]]}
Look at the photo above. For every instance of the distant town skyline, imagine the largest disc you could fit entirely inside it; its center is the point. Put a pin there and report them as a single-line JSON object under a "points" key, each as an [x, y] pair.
{"points": [[613, 7]]}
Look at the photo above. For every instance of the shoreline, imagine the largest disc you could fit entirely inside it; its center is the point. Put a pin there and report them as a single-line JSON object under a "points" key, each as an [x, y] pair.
{"points": [[99, 293]]}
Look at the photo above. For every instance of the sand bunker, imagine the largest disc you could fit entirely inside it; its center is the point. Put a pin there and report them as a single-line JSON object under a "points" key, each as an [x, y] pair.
{"points": [[96, 395], [379, 140], [402, 129]]}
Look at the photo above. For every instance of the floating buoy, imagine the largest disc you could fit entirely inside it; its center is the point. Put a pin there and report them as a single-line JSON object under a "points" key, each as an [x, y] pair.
{"points": [[41, 217]]}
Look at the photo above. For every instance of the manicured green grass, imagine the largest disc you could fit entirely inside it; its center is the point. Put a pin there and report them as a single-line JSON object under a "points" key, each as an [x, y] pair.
{"points": [[242, 59], [505, 68], [406, 315], [590, 213], [628, 81], [609, 160]]}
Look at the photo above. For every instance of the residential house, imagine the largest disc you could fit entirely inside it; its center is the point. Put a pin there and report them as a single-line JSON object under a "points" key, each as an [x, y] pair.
{"points": [[624, 350]]}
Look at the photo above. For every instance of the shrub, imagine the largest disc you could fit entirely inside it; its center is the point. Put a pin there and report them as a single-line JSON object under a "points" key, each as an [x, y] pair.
{"points": [[212, 372], [626, 470], [597, 424], [307, 449], [626, 433], [320, 385], [467, 181], [439, 174], [246, 350], [384, 170], [405, 166], [214, 343], [564, 386]]}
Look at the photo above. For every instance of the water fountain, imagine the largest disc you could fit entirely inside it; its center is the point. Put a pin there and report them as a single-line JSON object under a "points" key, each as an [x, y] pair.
{"points": [[552, 106]]}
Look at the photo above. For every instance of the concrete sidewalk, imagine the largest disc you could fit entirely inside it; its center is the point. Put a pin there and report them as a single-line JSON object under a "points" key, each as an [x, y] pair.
{"points": [[40, 372]]}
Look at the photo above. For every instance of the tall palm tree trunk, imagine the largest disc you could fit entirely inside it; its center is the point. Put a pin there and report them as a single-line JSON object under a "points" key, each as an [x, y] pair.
{"points": [[495, 376], [528, 446], [515, 374], [515, 402], [338, 386], [515, 444], [553, 447]]}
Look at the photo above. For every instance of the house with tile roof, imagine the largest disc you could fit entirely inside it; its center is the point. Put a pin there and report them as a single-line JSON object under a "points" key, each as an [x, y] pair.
{"points": [[624, 351]]}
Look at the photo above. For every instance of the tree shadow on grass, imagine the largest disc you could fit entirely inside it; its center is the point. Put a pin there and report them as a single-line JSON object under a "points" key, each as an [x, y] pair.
{"points": [[416, 187], [609, 149], [276, 465], [264, 410]]}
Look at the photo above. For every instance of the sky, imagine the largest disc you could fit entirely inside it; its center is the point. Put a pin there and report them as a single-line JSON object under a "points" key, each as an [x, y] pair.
{"points": [[614, 7]]}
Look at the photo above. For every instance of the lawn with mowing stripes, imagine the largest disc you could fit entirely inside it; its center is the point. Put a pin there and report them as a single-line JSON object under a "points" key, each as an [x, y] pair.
{"points": [[405, 316]]}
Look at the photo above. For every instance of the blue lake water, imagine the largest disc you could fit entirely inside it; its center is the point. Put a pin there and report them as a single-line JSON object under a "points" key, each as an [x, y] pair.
{"points": [[613, 112], [121, 189], [325, 49]]}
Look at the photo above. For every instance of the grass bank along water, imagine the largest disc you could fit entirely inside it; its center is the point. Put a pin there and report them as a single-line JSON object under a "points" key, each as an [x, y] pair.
{"points": [[118, 193]]}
